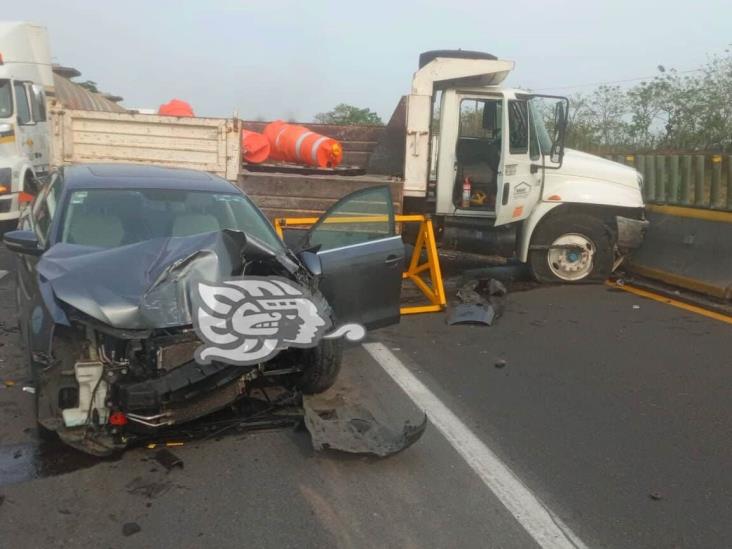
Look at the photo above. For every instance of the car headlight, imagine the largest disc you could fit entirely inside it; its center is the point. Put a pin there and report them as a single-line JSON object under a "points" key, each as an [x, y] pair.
{"points": [[640, 181]]}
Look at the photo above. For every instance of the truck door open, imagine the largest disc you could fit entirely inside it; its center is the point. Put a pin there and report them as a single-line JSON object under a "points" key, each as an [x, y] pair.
{"points": [[470, 135], [361, 258], [519, 183], [478, 153]]}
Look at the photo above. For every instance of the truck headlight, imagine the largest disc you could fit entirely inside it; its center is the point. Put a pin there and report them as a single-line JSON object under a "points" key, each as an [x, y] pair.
{"points": [[6, 182]]}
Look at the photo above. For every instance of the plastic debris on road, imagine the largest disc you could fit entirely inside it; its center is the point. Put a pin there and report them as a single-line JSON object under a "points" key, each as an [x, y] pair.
{"points": [[482, 302], [335, 423]]}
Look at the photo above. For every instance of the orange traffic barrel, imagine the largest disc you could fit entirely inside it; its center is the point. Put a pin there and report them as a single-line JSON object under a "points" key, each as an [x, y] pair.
{"points": [[176, 107], [254, 147], [298, 144]]}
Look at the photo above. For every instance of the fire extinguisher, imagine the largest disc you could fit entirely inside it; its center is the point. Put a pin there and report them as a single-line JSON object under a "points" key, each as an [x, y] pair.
{"points": [[467, 192]]}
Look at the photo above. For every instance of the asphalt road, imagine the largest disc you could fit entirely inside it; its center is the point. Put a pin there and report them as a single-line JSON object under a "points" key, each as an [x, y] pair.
{"points": [[612, 410]]}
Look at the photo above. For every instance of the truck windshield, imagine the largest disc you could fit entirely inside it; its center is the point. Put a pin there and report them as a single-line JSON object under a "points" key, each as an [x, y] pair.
{"points": [[6, 99], [108, 218], [538, 114]]}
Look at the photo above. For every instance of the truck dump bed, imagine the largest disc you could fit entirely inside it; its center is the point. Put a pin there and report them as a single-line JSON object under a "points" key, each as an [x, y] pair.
{"points": [[373, 149], [213, 145], [297, 195]]}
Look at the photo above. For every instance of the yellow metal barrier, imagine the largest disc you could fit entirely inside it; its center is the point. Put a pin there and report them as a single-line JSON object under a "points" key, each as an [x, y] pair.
{"points": [[433, 289]]}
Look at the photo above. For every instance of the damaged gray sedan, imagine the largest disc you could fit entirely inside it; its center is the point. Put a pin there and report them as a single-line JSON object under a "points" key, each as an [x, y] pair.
{"points": [[106, 259]]}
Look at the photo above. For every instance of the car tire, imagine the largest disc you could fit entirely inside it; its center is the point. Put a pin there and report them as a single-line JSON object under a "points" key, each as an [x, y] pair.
{"points": [[321, 366], [43, 433], [590, 262]]}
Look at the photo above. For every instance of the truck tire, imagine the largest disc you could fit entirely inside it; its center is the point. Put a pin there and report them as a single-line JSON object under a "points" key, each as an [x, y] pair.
{"points": [[590, 261], [321, 366]]}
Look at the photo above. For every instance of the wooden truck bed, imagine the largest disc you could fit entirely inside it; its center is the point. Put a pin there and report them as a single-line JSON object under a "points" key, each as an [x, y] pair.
{"points": [[297, 195]]}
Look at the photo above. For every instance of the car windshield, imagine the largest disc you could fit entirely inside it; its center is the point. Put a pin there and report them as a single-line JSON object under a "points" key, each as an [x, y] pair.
{"points": [[109, 218], [6, 99]]}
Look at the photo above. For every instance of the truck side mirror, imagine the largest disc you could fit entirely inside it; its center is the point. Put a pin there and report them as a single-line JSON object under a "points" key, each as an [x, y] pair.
{"points": [[560, 130], [490, 115]]}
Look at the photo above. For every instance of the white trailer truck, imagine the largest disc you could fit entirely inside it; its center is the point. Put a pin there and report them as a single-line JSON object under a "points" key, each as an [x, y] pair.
{"points": [[25, 76]]}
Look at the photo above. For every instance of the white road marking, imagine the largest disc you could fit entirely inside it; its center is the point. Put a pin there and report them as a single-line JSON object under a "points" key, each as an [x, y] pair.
{"points": [[535, 517], [2, 274]]}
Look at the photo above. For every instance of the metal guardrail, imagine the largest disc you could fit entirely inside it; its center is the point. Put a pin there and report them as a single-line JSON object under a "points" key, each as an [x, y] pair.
{"points": [[696, 180], [432, 288]]}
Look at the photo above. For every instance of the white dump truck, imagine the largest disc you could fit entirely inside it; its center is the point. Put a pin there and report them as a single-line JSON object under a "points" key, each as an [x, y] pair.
{"points": [[488, 164], [480, 158], [25, 76]]}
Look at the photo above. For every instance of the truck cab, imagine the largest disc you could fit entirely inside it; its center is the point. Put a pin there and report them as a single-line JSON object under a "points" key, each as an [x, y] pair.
{"points": [[490, 163], [25, 75]]}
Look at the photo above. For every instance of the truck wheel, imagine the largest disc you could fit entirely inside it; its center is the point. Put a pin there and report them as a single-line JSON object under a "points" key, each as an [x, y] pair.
{"points": [[321, 366], [580, 250]]}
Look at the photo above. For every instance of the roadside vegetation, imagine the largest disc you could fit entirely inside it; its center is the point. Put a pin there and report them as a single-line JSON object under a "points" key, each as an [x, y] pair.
{"points": [[674, 111], [348, 115]]}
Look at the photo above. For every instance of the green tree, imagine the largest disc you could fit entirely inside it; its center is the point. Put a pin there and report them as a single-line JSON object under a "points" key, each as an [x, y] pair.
{"points": [[349, 115], [671, 111], [89, 85]]}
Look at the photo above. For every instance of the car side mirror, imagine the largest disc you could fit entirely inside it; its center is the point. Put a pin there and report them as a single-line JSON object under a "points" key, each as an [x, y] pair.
{"points": [[311, 262], [23, 242]]}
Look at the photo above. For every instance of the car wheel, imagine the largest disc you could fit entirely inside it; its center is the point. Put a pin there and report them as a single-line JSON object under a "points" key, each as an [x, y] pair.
{"points": [[321, 366], [572, 249], [43, 432]]}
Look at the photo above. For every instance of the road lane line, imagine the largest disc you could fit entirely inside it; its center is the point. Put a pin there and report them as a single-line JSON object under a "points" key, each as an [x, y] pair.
{"points": [[673, 302], [541, 524]]}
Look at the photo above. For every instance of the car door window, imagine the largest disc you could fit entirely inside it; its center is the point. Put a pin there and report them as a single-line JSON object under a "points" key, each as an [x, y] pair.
{"points": [[360, 217], [361, 258], [21, 101]]}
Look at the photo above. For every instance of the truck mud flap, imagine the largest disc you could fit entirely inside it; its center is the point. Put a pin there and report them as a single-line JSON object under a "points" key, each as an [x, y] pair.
{"points": [[336, 423]]}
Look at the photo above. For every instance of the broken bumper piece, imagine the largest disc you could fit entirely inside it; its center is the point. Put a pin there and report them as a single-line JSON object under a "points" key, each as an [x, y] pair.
{"points": [[631, 232], [337, 424]]}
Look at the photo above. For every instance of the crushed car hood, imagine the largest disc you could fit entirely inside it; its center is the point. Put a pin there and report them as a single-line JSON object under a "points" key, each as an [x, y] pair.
{"points": [[140, 286]]}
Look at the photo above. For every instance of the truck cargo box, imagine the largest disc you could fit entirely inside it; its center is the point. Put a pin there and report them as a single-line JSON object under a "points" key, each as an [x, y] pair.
{"points": [[206, 144]]}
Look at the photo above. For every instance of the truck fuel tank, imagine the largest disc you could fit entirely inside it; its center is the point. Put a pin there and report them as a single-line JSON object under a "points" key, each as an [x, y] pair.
{"points": [[479, 236]]}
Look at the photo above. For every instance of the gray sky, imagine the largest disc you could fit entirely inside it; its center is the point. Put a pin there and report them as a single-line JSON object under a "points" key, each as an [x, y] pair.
{"points": [[294, 59]]}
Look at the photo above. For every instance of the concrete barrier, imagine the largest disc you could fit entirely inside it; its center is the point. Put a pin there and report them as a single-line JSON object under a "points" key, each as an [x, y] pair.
{"points": [[687, 247]]}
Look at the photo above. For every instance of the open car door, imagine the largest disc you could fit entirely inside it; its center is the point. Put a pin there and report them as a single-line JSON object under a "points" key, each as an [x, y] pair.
{"points": [[361, 258]]}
